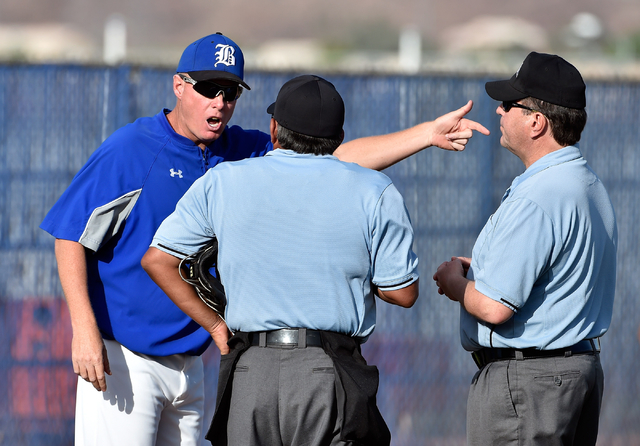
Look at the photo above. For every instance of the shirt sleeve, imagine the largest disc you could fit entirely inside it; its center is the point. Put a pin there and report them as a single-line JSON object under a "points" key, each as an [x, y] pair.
{"points": [[188, 228], [394, 264], [512, 252], [98, 200]]}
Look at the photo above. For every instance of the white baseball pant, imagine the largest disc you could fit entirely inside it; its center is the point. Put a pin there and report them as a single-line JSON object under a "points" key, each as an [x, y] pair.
{"points": [[150, 401]]}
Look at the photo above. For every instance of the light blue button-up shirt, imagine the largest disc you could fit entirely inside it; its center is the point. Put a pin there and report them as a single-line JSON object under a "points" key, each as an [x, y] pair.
{"points": [[549, 254], [301, 238]]}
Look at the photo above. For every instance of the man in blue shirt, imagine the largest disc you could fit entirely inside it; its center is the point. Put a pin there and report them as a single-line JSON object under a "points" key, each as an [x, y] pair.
{"points": [[538, 291], [125, 329], [306, 242]]}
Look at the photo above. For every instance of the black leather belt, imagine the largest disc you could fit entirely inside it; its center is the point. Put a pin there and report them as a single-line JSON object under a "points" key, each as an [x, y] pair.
{"points": [[286, 338], [486, 355]]}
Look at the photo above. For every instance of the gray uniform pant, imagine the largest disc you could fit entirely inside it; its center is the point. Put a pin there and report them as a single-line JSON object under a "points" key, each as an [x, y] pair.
{"points": [[283, 397], [542, 401]]}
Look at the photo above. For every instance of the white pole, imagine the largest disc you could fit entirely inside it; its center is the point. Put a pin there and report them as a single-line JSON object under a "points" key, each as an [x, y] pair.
{"points": [[410, 50], [115, 40]]}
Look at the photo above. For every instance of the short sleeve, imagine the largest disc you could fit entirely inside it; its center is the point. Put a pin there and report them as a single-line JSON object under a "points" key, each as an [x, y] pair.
{"points": [[188, 228], [100, 197], [512, 251], [394, 264]]}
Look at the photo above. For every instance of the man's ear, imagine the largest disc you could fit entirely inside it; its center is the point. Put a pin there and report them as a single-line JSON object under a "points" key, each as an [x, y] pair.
{"points": [[539, 124], [178, 86], [273, 130]]}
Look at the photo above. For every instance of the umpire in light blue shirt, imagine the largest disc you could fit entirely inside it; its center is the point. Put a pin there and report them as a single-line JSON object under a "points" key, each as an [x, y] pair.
{"points": [[537, 293], [306, 243]]}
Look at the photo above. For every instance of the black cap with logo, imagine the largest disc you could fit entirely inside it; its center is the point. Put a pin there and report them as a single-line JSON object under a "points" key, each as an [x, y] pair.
{"points": [[542, 76]]}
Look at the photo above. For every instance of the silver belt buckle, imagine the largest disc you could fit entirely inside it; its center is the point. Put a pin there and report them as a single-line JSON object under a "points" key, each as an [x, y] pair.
{"points": [[287, 336]]}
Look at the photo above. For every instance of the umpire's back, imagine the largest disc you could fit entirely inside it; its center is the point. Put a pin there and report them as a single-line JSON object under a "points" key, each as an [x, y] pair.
{"points": [[301, 239]]}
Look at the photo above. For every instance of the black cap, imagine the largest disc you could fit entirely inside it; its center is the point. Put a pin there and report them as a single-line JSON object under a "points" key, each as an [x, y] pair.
{"points": [[542, 76], [309, 105]]}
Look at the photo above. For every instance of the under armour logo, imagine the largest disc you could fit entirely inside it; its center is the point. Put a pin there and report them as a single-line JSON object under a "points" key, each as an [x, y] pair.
{"points": [[174, 173], [225, 55]]}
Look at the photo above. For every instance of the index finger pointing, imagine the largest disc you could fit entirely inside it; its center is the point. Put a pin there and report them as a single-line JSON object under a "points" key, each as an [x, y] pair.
{"points": [[473, 125]]}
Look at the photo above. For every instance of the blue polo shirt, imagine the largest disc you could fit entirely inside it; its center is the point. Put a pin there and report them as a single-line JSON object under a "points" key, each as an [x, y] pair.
{"points": [[113, 207], [549, 254], [301, 238]]}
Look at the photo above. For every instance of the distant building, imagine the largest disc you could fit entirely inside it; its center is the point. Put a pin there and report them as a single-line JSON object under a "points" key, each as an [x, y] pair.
{"points": [[51, 42]]}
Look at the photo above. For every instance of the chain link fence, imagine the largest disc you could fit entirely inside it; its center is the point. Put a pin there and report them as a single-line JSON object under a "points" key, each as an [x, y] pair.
{"points": [[53, 117]]}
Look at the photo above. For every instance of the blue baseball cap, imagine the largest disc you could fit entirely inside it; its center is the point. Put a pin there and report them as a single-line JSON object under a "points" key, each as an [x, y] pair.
{"points": [[213, 57]]}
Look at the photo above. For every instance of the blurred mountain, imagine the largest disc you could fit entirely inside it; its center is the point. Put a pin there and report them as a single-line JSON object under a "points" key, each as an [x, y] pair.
{"points": [[324, 32]]}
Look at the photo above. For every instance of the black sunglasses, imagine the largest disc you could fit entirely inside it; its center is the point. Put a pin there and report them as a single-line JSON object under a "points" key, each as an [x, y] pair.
{"points": [[508, 105], [210, 89]]}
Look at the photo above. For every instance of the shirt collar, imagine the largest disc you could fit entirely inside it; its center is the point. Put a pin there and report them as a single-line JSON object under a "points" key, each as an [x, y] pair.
{"points": [[291, 153], [564, 155]]}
